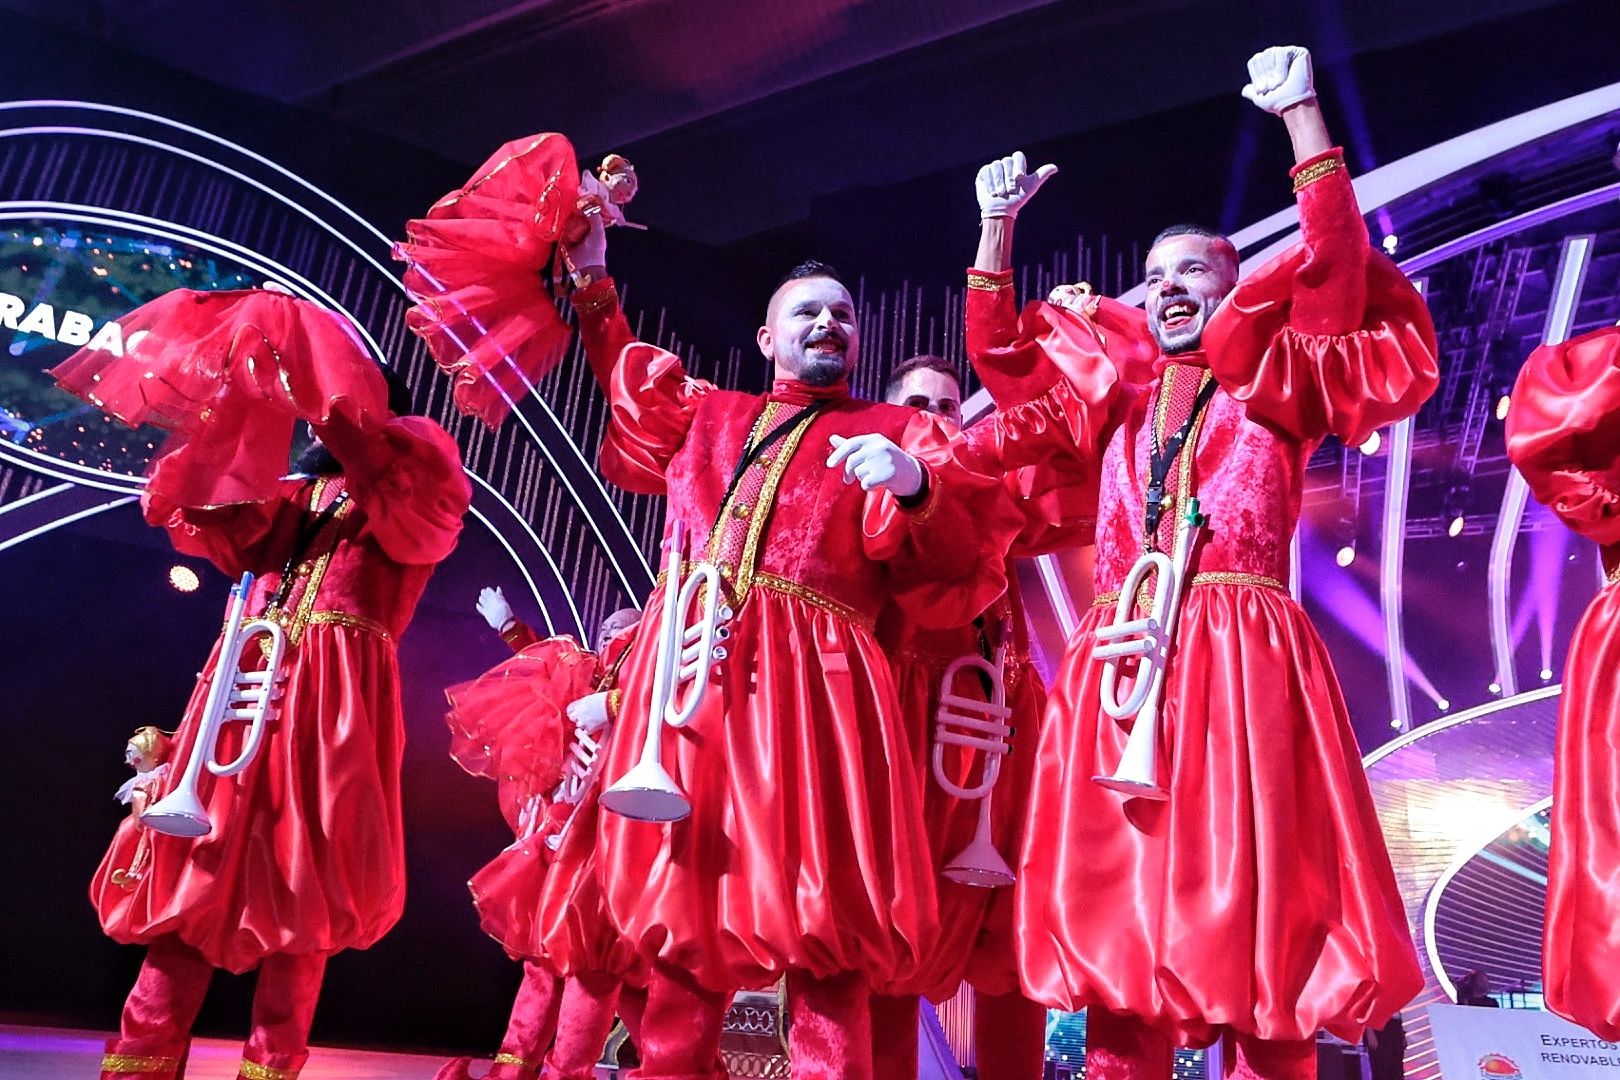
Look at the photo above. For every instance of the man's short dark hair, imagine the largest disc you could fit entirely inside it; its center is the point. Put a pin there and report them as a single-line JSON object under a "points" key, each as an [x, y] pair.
{"points": [[1189, 229], [917, 363], [808, 269]]}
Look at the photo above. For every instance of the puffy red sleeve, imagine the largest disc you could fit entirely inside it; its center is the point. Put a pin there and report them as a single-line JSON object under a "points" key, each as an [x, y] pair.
{"points": [[234, 538], [1328, 338], [229, 373], [946, 556], [651, 399], [407, 475], [1563, 431], [511, 723], [475, 267]]}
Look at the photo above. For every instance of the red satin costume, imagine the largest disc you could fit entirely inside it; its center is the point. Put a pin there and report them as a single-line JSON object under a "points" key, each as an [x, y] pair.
{"points": [[1259, 899], [976, 923], [805, 853], [306, 855], [561, 1018], [1563, 433]]}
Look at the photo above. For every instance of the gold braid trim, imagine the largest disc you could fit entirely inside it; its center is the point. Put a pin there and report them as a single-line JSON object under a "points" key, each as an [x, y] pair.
{"points": [[592, 304], [134, 1064], [1210, 577], [810, 596], [351, 620], [252, 1070], [1312, 173], [503, 1058], [988, 282]]}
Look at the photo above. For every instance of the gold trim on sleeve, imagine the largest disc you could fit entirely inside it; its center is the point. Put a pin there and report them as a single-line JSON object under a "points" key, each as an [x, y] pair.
{"points": [[592, 304], [988, 282], [1312, 173]]}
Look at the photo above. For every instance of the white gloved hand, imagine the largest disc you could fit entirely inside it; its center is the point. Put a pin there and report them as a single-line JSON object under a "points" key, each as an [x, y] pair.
{"points": [[496, 611], [876, 462], [1280, 77], [592, 250], [1006, 184], [589, 713]]}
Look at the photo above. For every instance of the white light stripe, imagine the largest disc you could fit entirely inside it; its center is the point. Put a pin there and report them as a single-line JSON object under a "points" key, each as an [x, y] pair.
{"points": [[1062, 605], [1431, 904], [1567, 283], [1296, 579], [534, 588], [1397, 487], [544, 550], [35, 497], [13, 541], [1434, 727], [631, 588]]}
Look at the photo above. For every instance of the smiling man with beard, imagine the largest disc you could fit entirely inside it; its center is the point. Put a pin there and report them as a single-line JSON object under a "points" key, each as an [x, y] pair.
{"points": [[804, 853], [1244, 891]]}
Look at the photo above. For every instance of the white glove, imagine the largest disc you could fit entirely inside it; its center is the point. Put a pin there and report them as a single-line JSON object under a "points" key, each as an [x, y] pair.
{"points": [[1005, 185], [1280, 77], [592, 250], [876, 463], [496, 611], [590, 712]]}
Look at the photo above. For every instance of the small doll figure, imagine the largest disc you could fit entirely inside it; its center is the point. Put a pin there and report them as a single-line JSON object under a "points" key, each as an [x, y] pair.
{"points": [[608, 188], [147, 752]]}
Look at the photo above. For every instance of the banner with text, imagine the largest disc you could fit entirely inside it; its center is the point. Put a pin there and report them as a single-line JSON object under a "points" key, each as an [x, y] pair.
{"points": [[1517, 1044]]}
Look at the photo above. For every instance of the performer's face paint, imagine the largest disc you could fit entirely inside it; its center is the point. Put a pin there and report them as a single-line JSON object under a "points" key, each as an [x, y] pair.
{"points": [[932, 392], [810, 332], [1187, 277]]}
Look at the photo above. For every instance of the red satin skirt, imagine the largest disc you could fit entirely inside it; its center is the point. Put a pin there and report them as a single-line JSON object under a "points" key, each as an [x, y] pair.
{"points": [[975, 923], [1260, 895], [572, 926], [506, 894], [1581, 955], [805, 849], [307, 852]]}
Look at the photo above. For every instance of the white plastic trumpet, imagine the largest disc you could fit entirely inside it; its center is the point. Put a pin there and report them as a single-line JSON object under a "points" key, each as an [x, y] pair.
{"points": [[690, 631], [234, 695], [976, 725], [585, 760], [1149, 639]]}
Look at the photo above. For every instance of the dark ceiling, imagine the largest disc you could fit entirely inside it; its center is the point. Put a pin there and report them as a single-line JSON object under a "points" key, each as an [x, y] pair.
{"points": [[742, 113]]}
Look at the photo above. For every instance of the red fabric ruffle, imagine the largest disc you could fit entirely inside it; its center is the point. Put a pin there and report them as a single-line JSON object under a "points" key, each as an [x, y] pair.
{"points": [[475, 267], [1563, 431], [1581, 952], [229, 373], [1260, 894], [511, 723], [1309, 385]]}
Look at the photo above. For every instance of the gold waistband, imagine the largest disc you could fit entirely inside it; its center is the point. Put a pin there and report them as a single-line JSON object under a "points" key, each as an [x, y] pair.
{"points": [[1210, 577], [789, 587], [352, 621]]}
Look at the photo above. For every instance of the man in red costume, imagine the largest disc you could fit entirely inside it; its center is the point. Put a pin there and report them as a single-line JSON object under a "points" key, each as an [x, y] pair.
{"points": [[1563, 433], [975, 941], [516, 724], [804, 853], [306, 852], [1253, 898]]}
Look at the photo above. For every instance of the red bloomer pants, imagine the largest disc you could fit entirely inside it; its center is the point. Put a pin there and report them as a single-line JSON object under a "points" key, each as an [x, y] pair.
{"points": [[155, 1030]]}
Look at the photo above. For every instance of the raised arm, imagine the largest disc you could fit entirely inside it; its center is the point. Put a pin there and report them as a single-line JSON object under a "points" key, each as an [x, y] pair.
{"points": [[1328, 338], [651, 399]]}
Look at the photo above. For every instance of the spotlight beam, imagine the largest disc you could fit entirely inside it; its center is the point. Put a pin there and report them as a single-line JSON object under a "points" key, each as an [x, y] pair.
{"points": [[1567, 284]]}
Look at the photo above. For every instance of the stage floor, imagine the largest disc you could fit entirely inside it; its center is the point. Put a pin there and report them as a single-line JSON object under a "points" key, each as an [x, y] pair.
{"points": [[36, 1053]]}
